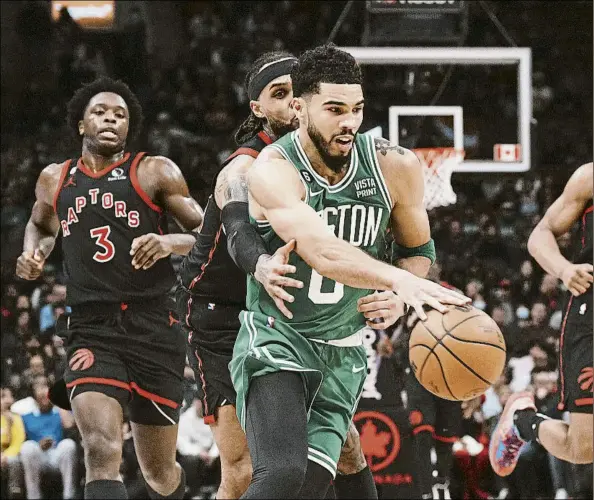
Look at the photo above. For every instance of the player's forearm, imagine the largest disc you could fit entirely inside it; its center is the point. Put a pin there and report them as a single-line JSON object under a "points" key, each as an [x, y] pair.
{"points": [[543, 246], [419, 266], [181, 243], [37, 238], [342, 262]]}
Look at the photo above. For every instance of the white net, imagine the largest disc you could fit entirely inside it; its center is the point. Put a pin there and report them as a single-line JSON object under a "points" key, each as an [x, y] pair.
{"points": [[439, 164]]}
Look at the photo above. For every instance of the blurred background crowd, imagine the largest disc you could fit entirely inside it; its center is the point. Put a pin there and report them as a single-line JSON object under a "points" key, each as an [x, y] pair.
{"points": [[193, 103]]}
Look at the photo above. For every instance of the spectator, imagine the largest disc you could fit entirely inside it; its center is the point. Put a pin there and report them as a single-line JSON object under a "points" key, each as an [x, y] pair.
{"points": [[13, 436], [196, 448], [46, 448]]}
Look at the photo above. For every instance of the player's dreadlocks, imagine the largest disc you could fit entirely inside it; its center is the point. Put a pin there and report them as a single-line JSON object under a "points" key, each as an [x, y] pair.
{"points": [[252, 125], [324, 64], [80, 100]]}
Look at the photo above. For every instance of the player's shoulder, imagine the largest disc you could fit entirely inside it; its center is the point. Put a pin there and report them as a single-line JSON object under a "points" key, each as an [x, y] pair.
{"points": [[158, 167], [394, 156], [54, 170], [580, 182]]}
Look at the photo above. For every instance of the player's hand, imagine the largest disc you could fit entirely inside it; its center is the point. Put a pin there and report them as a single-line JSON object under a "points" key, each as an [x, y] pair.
{"points": [[577, 278], [148, 249], [383, 307], [271, 271], [418, 291], [30, 265]]}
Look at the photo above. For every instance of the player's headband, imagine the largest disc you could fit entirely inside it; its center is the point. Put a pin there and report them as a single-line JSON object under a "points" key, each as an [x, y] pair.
{"points": [[269, 72]]}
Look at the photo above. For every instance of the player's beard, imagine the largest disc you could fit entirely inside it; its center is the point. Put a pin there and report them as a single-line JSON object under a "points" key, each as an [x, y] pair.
{"points": [[336, 163], [280, 128]]}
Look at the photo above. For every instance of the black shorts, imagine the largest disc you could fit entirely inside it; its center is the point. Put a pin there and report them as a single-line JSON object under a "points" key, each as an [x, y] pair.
{"points": [[211, 330], [429, 413], [575, 360], [134, 353]]}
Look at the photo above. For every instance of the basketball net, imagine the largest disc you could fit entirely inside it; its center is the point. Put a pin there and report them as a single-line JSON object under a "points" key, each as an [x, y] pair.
{"points": [[439, 164]]}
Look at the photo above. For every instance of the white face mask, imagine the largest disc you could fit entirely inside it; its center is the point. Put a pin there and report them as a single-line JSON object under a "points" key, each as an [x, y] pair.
{"points": [[480, 304]]}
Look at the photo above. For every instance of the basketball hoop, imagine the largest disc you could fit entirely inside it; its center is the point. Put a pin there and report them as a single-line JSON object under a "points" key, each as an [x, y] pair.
{"points": [[439, 164]]}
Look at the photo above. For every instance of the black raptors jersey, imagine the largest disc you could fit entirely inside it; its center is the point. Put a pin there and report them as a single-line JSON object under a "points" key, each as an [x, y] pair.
{"points": [[100, 215], [208, 271]]}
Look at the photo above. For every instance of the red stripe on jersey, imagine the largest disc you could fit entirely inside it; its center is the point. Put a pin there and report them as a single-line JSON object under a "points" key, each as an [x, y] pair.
{"points": [[586, 212], [210, 256], [136, 185], [60, 184], [265, 138], [243, 151]]}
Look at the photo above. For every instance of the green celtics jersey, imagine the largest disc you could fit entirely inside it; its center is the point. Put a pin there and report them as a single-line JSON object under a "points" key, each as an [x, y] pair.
{"points": [[357, 209]]}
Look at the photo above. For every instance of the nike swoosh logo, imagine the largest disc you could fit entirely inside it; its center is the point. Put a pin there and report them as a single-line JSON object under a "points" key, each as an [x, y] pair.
{"points": [[358, 369], [312, 194]]}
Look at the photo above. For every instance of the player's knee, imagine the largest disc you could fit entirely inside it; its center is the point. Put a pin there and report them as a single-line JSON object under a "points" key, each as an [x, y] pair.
{"points": [[102, 452], [284, 478], [352, 459], [238, 470], [581, 451], [160, 475]]}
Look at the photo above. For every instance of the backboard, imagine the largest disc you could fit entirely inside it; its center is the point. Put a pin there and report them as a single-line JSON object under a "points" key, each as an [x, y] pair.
{"points": [[474, 98]]}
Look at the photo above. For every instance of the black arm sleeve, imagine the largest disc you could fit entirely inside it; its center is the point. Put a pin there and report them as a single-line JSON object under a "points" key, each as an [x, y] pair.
{"points": [[244, 243]]}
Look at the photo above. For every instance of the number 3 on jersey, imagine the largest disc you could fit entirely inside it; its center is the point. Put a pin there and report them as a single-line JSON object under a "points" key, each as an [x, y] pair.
{"points": [[103, 241], [316, 295]]}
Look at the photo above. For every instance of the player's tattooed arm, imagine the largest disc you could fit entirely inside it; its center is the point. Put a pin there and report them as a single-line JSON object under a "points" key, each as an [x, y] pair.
{"points": [[409, 221], [383, 146], [231, 182]]}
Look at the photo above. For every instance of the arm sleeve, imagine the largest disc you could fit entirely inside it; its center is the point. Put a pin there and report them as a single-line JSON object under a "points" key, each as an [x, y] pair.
{"points": [[244, 244]]}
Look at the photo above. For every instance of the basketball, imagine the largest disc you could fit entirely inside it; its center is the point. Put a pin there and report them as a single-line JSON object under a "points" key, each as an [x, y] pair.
{"points": [[457, 355]]}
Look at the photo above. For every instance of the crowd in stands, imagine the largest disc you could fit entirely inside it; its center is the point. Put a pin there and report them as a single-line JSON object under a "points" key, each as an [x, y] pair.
{"points": [[192, 108]]}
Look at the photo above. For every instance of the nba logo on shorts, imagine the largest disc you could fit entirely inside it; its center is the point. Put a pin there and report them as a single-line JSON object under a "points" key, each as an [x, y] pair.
{"points": [[506, 152], [211, 306], [270, 322]]}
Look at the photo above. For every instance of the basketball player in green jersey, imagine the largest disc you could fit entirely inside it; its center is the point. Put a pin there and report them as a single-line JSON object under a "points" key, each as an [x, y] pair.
{"points": [[298, 380]]}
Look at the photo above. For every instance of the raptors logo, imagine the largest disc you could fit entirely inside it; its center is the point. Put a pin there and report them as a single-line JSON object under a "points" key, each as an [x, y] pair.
{"points": [[380, 438], [81, 360]]}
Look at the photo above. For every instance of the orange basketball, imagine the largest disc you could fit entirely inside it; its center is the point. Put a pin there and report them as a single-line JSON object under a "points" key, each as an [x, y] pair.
{"points": [[457, 355]]}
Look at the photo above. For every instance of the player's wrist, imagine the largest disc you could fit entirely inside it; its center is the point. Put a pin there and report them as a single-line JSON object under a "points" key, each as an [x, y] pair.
{"points": [[397, 277], [260, 263]]}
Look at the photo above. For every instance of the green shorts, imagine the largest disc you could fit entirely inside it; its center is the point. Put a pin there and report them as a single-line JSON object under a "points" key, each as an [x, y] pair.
{"points": [[333, 378]]}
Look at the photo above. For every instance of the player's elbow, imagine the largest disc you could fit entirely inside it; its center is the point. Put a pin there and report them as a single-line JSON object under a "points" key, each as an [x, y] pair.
{"points": [[534, 240]]}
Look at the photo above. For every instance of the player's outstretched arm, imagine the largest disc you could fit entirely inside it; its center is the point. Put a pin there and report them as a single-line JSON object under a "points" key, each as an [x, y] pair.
{"points": [[43, 225], [162, 178], [276, 195], [558, 219], [409, 220], [245, 246], [414, 248]]}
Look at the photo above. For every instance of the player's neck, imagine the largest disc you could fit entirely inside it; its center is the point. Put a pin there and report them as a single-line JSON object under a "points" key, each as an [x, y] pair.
{"points": [[96, 162], [268, 131], [317, 162]]}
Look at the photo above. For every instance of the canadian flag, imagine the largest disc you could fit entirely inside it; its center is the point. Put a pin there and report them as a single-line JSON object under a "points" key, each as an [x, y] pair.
{"points": [[506, 152]]}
